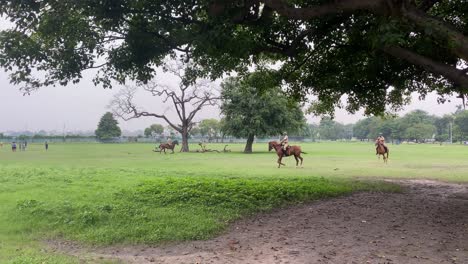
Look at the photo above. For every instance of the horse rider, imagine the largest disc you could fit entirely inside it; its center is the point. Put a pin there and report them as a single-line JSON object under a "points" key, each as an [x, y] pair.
{"points": [[284, 142], [169, 141], [380, 140]]}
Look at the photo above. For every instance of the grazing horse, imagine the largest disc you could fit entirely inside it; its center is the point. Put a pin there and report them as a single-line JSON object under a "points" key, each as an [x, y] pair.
{"points": [[164, 146], [381, 150], [292, 150]]}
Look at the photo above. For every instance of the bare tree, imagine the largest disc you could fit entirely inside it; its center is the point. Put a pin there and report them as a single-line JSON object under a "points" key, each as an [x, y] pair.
{"points": [[186, 99]]}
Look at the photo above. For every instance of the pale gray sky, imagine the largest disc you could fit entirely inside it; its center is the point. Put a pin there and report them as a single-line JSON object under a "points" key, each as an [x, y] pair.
{"points": [[79, 107]]}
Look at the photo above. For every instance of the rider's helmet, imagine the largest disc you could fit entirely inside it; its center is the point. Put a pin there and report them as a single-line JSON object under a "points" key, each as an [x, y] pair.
{"points": [[284, 133]]}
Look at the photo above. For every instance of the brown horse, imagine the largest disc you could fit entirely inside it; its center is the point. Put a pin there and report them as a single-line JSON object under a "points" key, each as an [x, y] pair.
{"points": [[292, 150], [164, 146], [381, 150]]}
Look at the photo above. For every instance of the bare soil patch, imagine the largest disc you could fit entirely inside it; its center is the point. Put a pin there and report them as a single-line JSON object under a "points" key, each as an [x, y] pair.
{"points": [[428, 223]]}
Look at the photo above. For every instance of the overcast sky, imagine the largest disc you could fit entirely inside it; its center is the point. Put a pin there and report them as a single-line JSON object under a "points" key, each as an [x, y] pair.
{"points": [[79, 107]]}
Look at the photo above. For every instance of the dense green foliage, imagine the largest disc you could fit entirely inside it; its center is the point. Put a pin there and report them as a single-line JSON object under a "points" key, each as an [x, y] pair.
{"points": [[461, 124], [332, 130], [108, 127], [154, 130], [251, 108], [210, 128], [377, 52], [415, 126]]}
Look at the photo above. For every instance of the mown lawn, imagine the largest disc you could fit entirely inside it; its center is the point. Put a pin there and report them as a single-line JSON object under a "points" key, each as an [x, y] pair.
{"points": [[124, 193]]}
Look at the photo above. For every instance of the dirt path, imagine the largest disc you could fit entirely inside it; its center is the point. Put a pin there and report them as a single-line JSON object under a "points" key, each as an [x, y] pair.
{"points": [[426, 224]]}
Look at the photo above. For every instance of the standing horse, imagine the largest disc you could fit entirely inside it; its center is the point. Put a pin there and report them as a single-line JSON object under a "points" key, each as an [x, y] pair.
{"points": [[381, 150], [164, 146], [292, 150]]}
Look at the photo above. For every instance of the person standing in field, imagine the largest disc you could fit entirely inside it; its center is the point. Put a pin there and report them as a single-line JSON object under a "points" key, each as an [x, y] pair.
{"points": [[13, 146], [46, 145]]}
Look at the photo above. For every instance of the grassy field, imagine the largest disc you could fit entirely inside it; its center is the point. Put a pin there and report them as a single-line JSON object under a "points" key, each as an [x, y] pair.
{"points": [[104, 194]]}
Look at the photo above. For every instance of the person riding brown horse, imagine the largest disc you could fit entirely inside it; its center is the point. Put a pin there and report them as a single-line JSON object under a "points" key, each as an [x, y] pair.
{"points": [[382, 150], [380, 139], [171, 146], [292, 150]]}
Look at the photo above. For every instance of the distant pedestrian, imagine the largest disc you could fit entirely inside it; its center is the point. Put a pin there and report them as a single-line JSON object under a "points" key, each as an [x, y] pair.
{"points": [[13, 146], [46, 146]]}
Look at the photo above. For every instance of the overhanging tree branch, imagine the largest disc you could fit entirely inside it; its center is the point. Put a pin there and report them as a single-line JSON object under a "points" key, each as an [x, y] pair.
{"points": [[457, 41], [451, 73], [398, 8], [306, 13]]}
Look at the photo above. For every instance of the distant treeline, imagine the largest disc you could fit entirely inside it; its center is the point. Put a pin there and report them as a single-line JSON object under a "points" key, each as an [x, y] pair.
{"points": [[416, 126]]}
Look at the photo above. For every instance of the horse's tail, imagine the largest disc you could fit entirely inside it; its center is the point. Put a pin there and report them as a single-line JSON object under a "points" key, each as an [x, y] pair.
{"points": [[303, 152]]}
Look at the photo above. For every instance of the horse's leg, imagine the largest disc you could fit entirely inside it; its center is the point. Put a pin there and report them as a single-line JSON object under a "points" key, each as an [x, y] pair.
{"points": [[297, 160], [279, 161], [301, 159]]}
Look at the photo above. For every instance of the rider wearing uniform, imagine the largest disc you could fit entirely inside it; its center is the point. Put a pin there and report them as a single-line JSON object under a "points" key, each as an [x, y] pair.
{"points": [[380, 139], [284, 142]]}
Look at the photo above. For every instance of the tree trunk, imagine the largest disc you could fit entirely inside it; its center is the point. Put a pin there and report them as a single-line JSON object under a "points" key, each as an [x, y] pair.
{"points": [[185, 147], [248, 146]]}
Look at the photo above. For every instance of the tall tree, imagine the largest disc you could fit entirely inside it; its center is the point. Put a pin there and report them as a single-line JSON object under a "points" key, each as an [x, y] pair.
{"points": [[210, 127], [375, 51], [461, 122], [250, 111], [154, 130], [442, 125], [419, 132], [108, 127], [330, 129], [361, 129], [186, 100]]}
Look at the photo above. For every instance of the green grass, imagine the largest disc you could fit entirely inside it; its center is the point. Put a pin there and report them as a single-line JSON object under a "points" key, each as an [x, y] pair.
{"points": [[124, 193]]}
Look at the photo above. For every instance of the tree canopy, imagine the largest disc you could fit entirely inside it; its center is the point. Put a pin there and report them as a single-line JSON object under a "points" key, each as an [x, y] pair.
{"points": [[377, 52], [185, 99], [249, 111], [153, 130], [108, 127], [461, 122], [209, 127]]}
